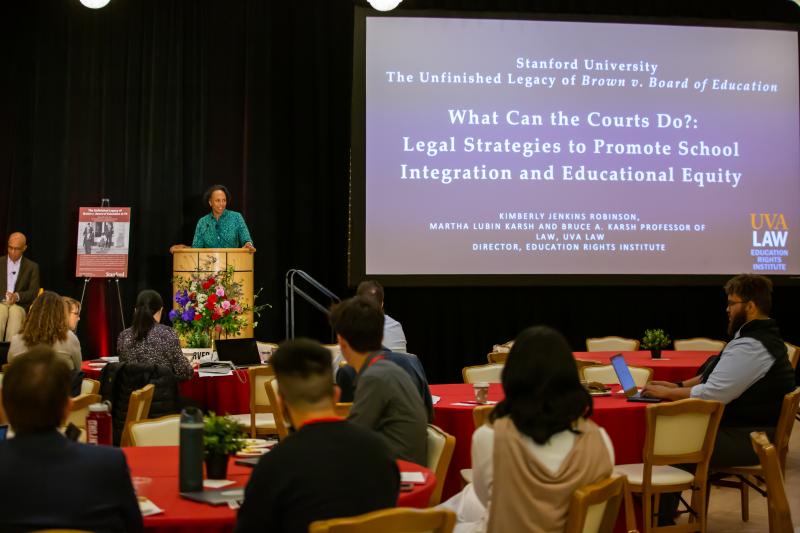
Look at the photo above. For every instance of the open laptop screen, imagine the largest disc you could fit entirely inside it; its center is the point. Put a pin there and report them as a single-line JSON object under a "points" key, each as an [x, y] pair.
{"points": [[623, 372]]}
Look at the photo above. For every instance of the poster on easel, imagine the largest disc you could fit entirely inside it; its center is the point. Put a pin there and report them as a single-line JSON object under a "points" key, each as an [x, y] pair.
{"points": [[103, 238]]}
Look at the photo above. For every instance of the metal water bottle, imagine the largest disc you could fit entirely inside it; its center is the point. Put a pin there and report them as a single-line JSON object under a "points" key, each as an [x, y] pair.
{"points": [[190, 471], [98, 425]]}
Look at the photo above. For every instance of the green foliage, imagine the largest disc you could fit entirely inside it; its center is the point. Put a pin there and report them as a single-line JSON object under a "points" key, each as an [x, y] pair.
{"points": [[655, 339], [222, 435]]}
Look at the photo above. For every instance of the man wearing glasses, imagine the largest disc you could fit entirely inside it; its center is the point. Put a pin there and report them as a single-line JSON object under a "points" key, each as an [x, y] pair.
{"points": [[21, 278]]}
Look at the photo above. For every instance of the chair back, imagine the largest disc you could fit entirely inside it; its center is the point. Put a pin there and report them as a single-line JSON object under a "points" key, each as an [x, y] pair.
{"points": [[138, 409], [699, 344], [90, 386], [594, 508], [163, 431], [440, 451], [505, 347], [259, 401], [497, 357], [793, 352], [397, 520], [583, 363], [281, 426], [80, 409], [611, 344], [343, 408], [481, 373], [783, 430], [606, 374], [779, 513], [480, 414]]}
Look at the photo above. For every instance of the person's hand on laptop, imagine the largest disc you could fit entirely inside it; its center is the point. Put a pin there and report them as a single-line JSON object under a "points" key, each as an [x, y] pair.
{"points": [[668, 391], [668, 384]]}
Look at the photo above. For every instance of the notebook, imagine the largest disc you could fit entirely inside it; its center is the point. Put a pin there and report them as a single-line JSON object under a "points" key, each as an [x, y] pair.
{"points": [[216, 497], [240, 352], [626, 380]]}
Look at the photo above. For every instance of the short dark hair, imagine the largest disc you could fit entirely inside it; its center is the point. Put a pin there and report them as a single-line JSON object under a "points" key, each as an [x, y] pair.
{"points": [[752, 288], [303, 370], [543, 392], [371, 289], [360, 322], [217, 187], [36, 388]]}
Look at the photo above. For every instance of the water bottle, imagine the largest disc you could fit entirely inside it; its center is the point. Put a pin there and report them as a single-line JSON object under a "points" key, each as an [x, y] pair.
{"points": [[98, 425], [190, 471]]}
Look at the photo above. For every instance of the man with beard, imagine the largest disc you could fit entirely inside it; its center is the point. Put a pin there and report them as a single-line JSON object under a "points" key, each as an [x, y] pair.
{"points": [[750, 376]]}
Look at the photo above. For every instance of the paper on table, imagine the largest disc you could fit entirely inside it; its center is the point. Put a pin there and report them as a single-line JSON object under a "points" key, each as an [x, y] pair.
{"points": [[435, 399], [211, 374], [216, 483], [473, 403], [148, 508], [114, 359], [412, 477]]}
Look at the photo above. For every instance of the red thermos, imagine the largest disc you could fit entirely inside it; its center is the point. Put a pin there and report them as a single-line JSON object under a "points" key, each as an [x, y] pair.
{"points": [[98, 425]]}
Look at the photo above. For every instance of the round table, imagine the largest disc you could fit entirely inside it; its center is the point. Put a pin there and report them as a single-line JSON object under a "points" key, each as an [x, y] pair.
{"points": [[623, 421], [157, 470], [673, 366]]}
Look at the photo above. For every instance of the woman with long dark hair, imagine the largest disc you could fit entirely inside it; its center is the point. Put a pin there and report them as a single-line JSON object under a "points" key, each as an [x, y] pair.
{"points": [[149, 342], [538, 446], [46, 324]]}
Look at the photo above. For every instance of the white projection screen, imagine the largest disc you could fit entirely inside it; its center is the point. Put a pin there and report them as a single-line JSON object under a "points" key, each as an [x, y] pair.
{"points": [[495, 150]]}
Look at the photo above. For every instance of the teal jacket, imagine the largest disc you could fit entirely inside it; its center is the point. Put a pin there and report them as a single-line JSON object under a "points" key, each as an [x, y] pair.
{"points": [[230, 231]]}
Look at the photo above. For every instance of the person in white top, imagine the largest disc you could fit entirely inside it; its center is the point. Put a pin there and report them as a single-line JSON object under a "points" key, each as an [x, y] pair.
{"points": [[544, 414], [21, 279], [394, 337]]}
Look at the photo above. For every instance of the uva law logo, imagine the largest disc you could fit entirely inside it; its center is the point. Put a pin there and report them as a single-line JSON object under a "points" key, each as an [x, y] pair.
{"points": [[775, 231]]}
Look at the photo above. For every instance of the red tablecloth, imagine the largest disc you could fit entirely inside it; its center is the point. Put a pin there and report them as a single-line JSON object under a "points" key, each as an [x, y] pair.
{"points": [[159, 464], [673, 366], [221, 394], [623, 421]]}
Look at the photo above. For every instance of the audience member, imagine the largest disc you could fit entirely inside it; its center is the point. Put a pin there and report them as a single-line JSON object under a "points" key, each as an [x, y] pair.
{"points": [[46, 480], [328, 467], [394, 337], [539, 445], [750, 376], [149, 342], [46, 324], [21, 278], [73, 312], [386, 399]]}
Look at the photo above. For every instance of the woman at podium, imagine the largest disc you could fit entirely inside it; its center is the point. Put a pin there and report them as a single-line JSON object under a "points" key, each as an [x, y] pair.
{"points": [[221, 228]]}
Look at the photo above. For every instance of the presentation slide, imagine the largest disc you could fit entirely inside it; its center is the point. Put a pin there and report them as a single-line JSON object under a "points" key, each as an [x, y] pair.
{"points": [[547, 147]]}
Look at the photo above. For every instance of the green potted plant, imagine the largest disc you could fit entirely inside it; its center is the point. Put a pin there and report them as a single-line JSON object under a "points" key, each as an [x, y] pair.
{"points": [[655, 340], [222, 436]]}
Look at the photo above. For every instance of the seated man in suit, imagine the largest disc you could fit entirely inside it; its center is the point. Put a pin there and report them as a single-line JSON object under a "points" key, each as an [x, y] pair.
{"points": [[20, 277], [46, 480], [329, 467], [386, 399]]}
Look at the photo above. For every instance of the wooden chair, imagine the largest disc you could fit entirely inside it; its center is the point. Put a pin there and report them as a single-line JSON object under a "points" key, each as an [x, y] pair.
{"points": [[780, 516], [343, 408], [163, 431], [700, 344], [281, 424], [261, 418], [505, 347], [793, 352], [440, 451], [481, 373], [583, 363], [746, 474], [80, 409], [681, 432], [611, 344], [594, 508], [138, 409], [605, 374], [497, 358], [397, 520], [90, 386]]}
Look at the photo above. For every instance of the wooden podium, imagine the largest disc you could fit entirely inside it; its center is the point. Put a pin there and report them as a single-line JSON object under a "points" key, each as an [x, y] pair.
{"points": [[188, 261]]}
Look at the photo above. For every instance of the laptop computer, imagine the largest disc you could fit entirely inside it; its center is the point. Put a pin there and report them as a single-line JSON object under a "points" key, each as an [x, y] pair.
{"points": [[626, 380], [240, 352], [216, 497]]}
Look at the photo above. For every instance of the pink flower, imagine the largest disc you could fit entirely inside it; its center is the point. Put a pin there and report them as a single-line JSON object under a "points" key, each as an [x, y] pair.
{"points": [[220, 291], [226, 305]]}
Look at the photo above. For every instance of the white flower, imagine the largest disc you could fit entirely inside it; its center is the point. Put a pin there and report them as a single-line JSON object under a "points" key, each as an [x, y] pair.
{"points": [[201, 298]]}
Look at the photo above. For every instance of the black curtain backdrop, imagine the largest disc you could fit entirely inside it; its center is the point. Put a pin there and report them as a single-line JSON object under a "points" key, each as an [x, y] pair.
{"points": [[148, 102]]}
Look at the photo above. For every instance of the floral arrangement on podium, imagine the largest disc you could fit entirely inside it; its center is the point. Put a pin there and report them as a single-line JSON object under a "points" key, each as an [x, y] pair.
{"points": [[209, 306]]}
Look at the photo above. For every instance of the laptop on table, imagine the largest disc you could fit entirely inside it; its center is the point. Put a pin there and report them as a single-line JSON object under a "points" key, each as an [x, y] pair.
{"points": [[242, 353], [626, 380]]}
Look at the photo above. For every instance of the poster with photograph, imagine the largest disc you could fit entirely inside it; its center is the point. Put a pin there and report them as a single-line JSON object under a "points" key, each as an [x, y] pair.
{"points": [[103, 237]]}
